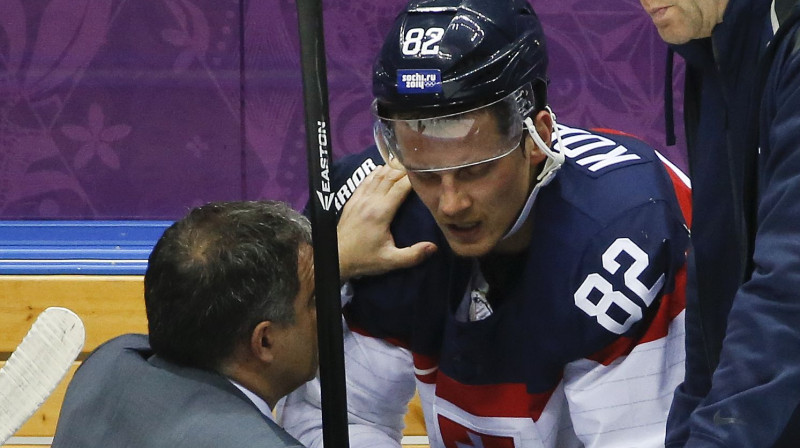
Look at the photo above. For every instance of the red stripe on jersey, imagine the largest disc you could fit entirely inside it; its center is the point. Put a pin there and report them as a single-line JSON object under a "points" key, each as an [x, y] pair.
{"points": [[614, 132], [684, 195], [363, 332], [427, 364], [671, 305], [492, 400]]}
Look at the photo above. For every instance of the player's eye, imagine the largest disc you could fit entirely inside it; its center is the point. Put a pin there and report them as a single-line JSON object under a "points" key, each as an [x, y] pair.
{"points": [[475, 171], [426, 177]]}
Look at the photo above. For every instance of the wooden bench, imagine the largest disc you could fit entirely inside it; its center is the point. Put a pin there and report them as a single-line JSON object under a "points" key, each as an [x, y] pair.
{"points": [[108, 305], [40, 268]]}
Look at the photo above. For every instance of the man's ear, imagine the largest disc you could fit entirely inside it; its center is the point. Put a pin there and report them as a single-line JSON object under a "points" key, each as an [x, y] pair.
{"points": [[262, 341], [543, 124]]}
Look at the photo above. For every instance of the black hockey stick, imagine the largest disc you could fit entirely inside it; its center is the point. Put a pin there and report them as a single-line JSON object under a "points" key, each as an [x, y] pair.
{"points": [[323, 221]]}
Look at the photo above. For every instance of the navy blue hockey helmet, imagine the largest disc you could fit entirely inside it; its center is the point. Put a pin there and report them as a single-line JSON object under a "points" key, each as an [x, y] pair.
{"points": [[456, 82], [457, 54]]}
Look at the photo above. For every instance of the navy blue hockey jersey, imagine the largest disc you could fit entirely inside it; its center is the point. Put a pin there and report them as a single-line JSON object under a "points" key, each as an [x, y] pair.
{"points": [[585, 344]]}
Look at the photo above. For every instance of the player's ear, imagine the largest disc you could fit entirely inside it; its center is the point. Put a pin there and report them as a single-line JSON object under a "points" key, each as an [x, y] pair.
{"points": [[263, 340], [543, 125], [543, 122]]}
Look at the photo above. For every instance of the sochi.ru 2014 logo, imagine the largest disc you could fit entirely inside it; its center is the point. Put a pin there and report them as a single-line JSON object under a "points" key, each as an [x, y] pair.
{"points": [[419, 81]]}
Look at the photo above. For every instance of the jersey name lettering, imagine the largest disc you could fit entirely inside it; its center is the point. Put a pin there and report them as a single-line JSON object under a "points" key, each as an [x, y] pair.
{"points": [[593, 150]]}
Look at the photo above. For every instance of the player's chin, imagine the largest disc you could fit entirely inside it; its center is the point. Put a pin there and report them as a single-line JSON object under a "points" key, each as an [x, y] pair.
{"points": [[477, 248], [471, 241]]}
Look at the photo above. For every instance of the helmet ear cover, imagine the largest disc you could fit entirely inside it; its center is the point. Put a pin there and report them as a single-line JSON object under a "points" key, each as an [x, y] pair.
{"points": [[539, 92]]}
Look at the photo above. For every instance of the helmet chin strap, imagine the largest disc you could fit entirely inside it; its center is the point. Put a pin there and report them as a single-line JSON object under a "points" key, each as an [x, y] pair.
{"points": [[555, 158]]}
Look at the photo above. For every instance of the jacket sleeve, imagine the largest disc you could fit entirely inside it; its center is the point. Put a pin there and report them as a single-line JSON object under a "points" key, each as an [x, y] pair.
{"points": [[689, 394], [756, 386]]}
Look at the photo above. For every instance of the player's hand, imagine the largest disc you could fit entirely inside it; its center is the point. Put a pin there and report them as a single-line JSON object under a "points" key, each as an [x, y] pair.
{"points": [[366, 245]]}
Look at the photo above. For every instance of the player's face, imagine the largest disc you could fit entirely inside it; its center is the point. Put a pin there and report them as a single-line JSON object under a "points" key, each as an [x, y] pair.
{"points": [[475, 206], [679, 21]]}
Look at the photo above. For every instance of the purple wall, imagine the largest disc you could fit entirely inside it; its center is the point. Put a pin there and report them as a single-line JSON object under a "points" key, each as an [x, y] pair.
{"points": [[127, 109]]}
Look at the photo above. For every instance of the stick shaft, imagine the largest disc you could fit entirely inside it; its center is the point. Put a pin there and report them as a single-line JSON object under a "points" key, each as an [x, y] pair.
{"points": [[323, 221]]}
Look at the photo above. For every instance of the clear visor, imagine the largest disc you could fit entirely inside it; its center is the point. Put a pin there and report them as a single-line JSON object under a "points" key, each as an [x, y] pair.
{"points": [[452, 141]]}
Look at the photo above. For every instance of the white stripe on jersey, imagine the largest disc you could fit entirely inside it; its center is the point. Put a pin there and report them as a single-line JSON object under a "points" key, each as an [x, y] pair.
{"points": [[681, 175], [423, 372], [625, 403], [380, 383], [552, 430]]}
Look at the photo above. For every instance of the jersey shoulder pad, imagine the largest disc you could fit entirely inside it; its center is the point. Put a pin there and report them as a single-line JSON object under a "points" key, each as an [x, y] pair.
{"points": [[606, 175], [599, 152]]}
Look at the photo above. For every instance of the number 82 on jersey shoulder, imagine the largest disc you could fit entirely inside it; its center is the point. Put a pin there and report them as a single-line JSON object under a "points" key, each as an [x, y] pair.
{"points": [[599, 309]]}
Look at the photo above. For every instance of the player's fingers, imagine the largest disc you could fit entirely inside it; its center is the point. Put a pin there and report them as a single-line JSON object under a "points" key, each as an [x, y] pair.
{"points": [[379, 195], [396, 194], [413, 255], [367, 187], [383, 179], [364, 193]]}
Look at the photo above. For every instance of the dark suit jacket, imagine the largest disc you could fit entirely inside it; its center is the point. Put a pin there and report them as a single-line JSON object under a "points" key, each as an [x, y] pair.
{"points": [[122, 396]]}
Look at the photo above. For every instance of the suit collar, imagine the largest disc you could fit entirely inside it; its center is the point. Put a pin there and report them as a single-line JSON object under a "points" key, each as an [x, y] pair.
{"points": [[257, 401]]}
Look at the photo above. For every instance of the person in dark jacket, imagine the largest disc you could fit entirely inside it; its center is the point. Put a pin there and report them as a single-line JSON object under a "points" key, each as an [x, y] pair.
{"points": [[229, 294], [742, 385]]}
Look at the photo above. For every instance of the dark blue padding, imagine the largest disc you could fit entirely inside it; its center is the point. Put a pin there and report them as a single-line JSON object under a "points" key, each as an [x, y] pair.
{"points": [[77, 247]]}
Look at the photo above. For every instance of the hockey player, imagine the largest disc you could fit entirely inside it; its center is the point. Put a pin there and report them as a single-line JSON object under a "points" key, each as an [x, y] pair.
{"points": [[551, 313]]}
